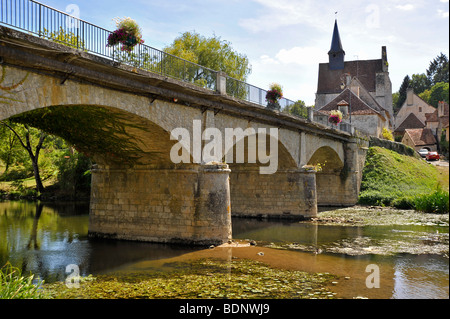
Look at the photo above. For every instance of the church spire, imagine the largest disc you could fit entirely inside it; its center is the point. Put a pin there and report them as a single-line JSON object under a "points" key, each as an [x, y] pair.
{"points": [[336, 53]]}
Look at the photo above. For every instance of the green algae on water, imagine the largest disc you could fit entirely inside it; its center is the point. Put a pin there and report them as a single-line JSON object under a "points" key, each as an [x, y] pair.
{"points": [[205, 278]]}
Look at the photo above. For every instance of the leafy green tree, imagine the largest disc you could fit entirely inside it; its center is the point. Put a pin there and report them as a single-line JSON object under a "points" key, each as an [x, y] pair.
{"points": [[8, 148], [438, 70], [298, 108], [32, 141], [438, 92], [212, 53], [395, 96], [420, 83], [425, 95], [402, 92]]}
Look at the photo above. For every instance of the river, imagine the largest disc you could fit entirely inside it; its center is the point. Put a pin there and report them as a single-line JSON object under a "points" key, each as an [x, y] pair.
{"points": [[410, 261]]}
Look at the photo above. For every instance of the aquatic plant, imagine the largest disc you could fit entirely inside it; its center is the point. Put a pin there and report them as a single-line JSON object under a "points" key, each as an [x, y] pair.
{"points": [[205, 278]]}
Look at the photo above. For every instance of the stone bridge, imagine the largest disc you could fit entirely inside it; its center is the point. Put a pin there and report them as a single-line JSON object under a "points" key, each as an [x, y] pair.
{"points": [[125, 119]]}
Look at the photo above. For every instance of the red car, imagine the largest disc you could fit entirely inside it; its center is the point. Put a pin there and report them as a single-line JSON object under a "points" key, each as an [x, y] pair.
{"points": [[432, 156]]}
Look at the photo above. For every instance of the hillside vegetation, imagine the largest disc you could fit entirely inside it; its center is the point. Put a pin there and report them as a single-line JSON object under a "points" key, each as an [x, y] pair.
{"points": [[398, 180]]}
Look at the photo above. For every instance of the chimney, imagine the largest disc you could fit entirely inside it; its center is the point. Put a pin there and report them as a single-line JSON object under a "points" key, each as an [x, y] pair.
{"points": [[441, 110], [409, 96], [343, 107], [384, 60]]}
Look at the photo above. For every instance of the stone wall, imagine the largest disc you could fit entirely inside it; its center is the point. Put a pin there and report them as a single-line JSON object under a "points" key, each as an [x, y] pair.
{"points": [[285, 194], [336, 189], [393, 146], [190, 205]]}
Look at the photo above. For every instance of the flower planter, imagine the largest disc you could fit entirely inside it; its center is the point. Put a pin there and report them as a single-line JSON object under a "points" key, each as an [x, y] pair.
{"points": [[127, 33], [273, 95]]}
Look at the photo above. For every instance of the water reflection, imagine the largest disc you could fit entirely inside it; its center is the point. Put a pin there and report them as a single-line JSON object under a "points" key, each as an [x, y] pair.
{"points": [[44, 238]]}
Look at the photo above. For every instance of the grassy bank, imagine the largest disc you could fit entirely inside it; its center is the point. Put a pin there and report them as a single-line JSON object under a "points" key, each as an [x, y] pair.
{"points": [[402, 181]]}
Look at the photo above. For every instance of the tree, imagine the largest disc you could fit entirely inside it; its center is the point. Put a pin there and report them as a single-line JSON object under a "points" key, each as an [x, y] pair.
{"points": [[212, 53], [438, 70], [420, 83], [395, 100], [438, 92], [402, 92], [298, 108], [27, 136], [8, 148]]}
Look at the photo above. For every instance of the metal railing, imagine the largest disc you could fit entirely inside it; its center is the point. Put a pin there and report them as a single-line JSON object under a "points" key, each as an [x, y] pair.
{"points": [[49, 23], [46, 22], [251, 93]]}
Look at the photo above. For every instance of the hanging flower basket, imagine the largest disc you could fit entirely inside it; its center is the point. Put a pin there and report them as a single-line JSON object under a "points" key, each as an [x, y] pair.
{"points": [[335, 117], [128, 33], [273, 95]]}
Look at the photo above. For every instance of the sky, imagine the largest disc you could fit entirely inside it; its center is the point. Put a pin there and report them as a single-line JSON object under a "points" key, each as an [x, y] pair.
{"points": [[285, 40]]}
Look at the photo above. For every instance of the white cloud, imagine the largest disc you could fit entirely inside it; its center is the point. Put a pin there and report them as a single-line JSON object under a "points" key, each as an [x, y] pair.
{"points": [[442, 13], [406, 7], [280, 13], [301, 55], [265, 59]]}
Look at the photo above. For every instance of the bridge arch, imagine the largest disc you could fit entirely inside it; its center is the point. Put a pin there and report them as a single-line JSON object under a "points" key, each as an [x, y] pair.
{"points": [[326, 159], [148, 198], [284, 191]]}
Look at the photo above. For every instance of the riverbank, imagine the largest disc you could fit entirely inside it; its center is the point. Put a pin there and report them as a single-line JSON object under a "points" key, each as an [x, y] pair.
{"points": [[392, 179], [378, 216]]}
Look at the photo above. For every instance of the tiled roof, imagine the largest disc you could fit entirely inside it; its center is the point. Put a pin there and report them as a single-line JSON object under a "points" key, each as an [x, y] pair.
{"points": [[432, 117], [330, 80], [356, 105], [421, 136], [411, 121]]}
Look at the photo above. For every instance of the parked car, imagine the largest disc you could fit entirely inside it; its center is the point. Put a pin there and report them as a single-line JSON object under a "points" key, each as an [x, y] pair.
{"points": [[432, 156], [423, 152]]}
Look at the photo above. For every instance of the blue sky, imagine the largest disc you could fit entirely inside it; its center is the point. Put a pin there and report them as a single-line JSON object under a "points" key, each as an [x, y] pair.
{"points": [[286, 39]]}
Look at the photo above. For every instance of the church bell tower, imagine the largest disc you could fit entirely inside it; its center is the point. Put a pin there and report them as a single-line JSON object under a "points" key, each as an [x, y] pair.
{"points": [[336, 53]]}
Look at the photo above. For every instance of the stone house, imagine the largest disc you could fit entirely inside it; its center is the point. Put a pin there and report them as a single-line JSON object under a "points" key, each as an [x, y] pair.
{"points": [[412, 105], [420, 138], [410, 122], [368, 118], [438, 120], [367, 79]]}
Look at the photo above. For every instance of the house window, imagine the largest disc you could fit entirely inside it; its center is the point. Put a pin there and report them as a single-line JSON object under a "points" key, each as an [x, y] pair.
{"points": [[420, 109]]}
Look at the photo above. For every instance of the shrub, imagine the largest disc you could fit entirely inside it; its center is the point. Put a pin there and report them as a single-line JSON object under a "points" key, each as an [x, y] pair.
{"points": [[74, 172], [387, 134], [405, 202], [434, 203], [15, 286]]}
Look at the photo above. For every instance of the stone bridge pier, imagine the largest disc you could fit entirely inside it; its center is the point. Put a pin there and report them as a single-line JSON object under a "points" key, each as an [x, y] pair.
{"points": [[189, 205], [288, 193]]}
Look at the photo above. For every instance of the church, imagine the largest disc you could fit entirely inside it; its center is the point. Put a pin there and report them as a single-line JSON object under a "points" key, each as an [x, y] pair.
{"points": [[361, 89]]}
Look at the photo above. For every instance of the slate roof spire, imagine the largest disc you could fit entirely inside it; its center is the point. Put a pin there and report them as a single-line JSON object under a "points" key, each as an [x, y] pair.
{"points": [[336, 53]]}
